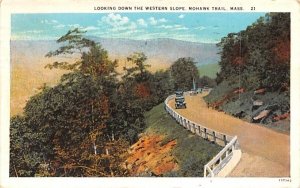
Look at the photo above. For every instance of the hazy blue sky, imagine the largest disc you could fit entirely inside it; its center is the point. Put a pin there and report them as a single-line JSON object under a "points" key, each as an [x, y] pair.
{"points": [[195, 27]]}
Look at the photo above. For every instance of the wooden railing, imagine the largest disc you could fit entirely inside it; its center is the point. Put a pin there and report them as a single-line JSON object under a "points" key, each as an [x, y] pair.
{"points": [[230, 143], [214, 166]]}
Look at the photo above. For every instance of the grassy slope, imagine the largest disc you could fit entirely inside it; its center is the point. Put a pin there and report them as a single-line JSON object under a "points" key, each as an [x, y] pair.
{"points": [[209, 70], [191, 151]]}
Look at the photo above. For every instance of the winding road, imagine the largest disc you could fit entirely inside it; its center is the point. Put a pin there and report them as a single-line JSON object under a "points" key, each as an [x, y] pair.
{"points": [[265, 153]]}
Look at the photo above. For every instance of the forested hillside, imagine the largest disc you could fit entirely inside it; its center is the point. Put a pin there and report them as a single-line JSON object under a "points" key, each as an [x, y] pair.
{"points": [[84, 125], [255, 71]]}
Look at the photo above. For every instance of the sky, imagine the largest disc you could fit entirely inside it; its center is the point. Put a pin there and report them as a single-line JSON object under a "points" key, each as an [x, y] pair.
{"points": [[193, 27]]}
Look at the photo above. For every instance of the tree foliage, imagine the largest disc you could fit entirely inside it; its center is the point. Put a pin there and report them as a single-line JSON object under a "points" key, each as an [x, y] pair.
{"points": [[184, 71], [259, 55], [138, 59]]}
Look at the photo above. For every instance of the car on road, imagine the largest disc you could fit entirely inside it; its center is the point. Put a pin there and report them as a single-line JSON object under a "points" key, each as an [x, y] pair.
{"points": [[179, 100]]}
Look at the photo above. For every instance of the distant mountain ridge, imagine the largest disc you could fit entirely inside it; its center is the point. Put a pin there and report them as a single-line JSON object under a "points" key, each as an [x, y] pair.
{"points": [[167, 50]]}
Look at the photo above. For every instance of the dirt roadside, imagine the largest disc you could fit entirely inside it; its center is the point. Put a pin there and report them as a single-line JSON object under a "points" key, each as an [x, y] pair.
{"points": [[265, 152]]}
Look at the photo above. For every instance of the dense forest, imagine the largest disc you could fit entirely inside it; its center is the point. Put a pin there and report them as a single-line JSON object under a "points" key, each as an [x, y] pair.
{"points": [[84, 125], [255, 70]]}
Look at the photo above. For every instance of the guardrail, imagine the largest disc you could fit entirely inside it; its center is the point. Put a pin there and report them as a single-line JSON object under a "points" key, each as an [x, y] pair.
{"points": [[230, 143], [214, 166]]}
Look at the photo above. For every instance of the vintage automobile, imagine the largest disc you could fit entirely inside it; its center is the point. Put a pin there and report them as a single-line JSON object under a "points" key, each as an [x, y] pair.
{"points": [[179, 100], [178, 93]]}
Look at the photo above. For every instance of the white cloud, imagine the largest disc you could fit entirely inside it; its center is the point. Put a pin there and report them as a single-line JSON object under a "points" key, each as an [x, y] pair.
{"points": [[162, 20], [90, 28], [54, 23], [181, 16], [173, 27], [132, 26], [59, 26], [45, 22], [74, 26], [180, 27], [142, 22], [200, 28], [165, 26], [154, 21], [115, 20], [49, 22], [118, 24], [128, 27]]}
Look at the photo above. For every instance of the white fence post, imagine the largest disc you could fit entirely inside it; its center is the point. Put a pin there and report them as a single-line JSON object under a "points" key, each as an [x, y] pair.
{"points": [[224, 138], [214, 137], [197, 130], [193, 128]]}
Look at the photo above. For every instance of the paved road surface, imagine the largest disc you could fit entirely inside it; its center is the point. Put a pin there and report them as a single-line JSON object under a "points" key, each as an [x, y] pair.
{"points": [[265, 152]]}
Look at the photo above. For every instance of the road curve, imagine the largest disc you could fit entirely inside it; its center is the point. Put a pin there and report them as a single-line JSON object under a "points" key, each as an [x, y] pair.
{"points": [[265, 152]]}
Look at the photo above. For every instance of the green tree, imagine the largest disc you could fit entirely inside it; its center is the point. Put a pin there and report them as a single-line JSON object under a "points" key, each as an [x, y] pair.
{"points": [[183, 72], [162, 85], [139, 71], [93, 61], [28, 147], [260, 55]]}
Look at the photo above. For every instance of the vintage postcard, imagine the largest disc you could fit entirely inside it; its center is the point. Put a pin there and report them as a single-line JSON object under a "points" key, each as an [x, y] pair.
{"points": [[131, 94]]}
